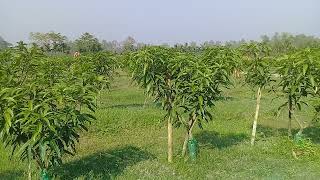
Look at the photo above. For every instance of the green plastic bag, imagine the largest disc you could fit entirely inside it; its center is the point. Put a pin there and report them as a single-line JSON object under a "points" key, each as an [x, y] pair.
{"points": [[44, 175], [193, 148], [298, 138]]}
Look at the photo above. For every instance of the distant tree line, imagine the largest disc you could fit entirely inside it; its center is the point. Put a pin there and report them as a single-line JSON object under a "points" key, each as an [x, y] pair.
{"points": [[53, 42], [280, 43], [57, 43]]}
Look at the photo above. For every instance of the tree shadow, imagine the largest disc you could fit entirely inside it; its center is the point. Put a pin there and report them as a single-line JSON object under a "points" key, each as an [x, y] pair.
{"points": [[225, 98], [312, 132], [212, 139], [134, 105], [12, 174], [265, 131], [103, 165]]}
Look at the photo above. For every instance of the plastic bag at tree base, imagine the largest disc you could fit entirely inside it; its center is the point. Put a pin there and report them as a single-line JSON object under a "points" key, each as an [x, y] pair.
{"points": [[193, 148], [44, 175], [298, 138]]}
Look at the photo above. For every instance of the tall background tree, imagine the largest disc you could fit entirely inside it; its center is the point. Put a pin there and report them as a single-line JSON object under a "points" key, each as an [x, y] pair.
{"points": [[88, 43], [129, 44], [4, 44], [50, 42]]}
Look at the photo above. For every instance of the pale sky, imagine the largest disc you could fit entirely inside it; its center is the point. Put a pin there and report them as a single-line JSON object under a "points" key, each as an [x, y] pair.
{"points": [[159, 21]]}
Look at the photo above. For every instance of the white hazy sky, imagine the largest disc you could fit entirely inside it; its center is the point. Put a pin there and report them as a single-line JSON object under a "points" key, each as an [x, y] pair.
{"points": [[159, 21]]}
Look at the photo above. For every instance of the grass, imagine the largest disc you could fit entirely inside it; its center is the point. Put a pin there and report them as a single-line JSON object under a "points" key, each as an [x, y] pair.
{"points": [[128, 141]]}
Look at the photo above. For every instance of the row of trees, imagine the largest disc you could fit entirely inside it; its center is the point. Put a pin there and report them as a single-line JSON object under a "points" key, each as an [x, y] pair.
{"points": [[46, 100], [56, 42], [298, 73], [280, 43], [52, 42], [188, 84]]}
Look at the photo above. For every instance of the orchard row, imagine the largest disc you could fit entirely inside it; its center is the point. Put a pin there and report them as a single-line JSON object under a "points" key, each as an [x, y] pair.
{"points": [[45, 101]]}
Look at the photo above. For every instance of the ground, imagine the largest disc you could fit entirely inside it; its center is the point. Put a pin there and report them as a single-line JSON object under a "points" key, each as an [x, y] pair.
{"points": [[128, 141]]}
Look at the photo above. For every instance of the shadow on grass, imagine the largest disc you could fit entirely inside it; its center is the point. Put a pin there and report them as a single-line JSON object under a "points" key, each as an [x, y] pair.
{"points": [[8, 175], [265, 131], [103, 165], [212, 139], [312, 132], [225, 98], [135, 105]]}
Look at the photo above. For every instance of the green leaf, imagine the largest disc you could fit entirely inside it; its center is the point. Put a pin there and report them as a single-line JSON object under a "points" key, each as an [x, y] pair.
{"points": [[312, 80], [8, 115], [305, 67]]}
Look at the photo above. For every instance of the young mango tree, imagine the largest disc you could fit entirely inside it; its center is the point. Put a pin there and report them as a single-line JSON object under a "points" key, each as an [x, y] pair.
{"points": [[199, 87], [42, 124], [258, 74], [298, 79], [152, 68], [40, 116]]}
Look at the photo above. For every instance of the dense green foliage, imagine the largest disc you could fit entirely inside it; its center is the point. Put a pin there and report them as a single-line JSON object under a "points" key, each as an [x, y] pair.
{"points": [[88, 43], [258, 64], [46, 101], [299, 73], [50, 42]]}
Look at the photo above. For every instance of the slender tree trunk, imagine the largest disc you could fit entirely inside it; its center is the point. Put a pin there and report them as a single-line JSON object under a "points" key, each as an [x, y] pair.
{"points": [[290, 116], [170, 141], [170, 128], [185, 144], [145, 102], [188, 136], [29, 170], [299, 123], [255, 121]]}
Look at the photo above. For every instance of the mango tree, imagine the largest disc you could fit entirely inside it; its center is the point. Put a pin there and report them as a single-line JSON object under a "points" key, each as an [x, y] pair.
{"points": [[40, 116], [200, 84], [199, 87], [42, 124], [258, 74], [152, 68], [298, 73]]}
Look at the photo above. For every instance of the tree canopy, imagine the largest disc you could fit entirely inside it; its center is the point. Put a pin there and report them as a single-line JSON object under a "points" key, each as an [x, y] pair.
{"points": [[88, 43]]}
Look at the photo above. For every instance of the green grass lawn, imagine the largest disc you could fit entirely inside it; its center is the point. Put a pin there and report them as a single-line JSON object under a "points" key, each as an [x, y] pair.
{"points": [[128, 141]]}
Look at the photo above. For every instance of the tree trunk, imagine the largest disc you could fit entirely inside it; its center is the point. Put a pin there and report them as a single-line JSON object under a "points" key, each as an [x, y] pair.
{"points": [[255, 121], [188, 136], [290, 116], [145, 102], [185, 144], [299, 123], [170, 141], [29, 170]]}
